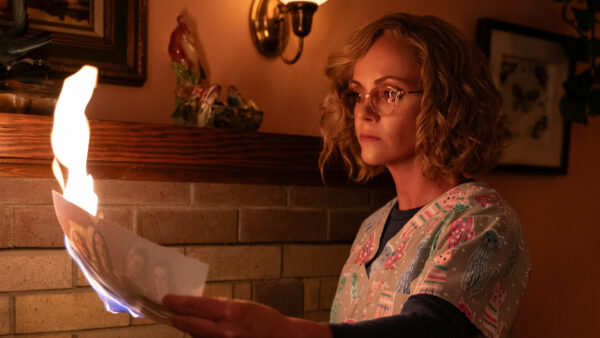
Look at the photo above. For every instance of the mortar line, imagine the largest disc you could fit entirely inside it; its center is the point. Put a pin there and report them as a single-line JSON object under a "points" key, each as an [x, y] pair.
{"points": [[238, 226], [11, 230], [134, 225], [12, 316], [74, 269], [281, 258], [192, 194], [288, 200], [328, 225]]}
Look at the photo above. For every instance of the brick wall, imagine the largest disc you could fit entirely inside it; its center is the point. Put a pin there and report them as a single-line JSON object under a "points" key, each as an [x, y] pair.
{"points": [[279, 245]]}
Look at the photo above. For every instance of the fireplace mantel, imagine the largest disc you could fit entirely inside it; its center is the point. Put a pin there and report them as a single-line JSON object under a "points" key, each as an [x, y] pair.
{"points": [[141, 151]]}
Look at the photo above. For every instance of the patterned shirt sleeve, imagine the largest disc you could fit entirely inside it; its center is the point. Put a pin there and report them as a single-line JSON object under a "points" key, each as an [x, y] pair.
{"points": [[478, 262]]}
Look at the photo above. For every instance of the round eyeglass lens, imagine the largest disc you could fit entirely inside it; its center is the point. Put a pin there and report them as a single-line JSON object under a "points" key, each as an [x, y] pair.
{"points": [[385, 100]]}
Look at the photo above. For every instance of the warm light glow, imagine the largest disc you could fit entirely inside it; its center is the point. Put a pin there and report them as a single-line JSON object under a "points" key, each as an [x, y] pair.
{"points": [[318, 2], [71, 136]]}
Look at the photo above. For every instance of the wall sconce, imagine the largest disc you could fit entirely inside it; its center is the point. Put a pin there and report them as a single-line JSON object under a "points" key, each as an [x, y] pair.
{"points": [[269, 24]]}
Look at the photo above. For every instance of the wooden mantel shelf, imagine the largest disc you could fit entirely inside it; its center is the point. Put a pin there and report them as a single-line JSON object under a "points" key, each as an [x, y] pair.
{"points": [[140, 151]]}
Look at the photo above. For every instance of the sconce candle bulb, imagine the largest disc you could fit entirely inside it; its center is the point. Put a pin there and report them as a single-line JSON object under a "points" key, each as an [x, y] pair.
{"points": [[269, 24], [317, 2]]}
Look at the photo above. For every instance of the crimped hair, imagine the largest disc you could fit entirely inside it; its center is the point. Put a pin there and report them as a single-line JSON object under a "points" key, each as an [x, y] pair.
{"points": [[459, 129]]}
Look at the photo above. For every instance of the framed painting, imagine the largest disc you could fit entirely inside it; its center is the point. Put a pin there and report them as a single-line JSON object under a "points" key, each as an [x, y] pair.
{"points": [[109, 34], [529, 67]]}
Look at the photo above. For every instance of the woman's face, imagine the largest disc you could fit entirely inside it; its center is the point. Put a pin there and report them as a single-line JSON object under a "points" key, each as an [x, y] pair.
{"points": [[99, 243], [387, 140], [79, 242], [161, 281], [135, 266], [101, 250]]}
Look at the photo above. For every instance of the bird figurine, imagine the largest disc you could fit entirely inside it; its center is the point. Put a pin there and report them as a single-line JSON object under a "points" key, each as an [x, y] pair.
{"points": [[13, 44], [182, 50], [206, 99], [193, 98], [234, 97]]}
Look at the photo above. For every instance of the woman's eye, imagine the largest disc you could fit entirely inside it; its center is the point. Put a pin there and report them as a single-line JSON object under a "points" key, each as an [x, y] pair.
{"points": [[390, 94], [354, 95]]}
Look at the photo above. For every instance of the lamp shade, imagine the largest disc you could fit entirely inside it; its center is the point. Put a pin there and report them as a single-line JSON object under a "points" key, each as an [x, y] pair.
{"points": [[318, 2]]}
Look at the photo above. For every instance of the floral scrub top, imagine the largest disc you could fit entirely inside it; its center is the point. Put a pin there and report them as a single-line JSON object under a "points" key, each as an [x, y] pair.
{"points": [[466, 247]]}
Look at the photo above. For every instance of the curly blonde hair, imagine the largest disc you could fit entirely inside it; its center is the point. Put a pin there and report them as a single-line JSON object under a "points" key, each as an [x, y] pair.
{"points": [[459, 130]]}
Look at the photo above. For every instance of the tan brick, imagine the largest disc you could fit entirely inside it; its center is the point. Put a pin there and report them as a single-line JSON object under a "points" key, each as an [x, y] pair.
{"points": [[242, 290], [218, 290], [328, 289], [239, 195], [180, 249], [47, 312], [168, 226], [329, 197], [239, 262], [5, 227], [34, 270], [4, 315], [37, 227], [314, 260], [27, 190], [317, 316], [284, 295], [381, 196], [311, 293], [81, 281], [343, 225], [135, 192], [142, 321], [122, 217], [146, 331], [265, 225]]}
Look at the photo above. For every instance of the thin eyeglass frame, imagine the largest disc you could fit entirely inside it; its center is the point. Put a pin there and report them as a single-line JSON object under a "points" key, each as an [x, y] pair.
{"points": [[368, 98]]}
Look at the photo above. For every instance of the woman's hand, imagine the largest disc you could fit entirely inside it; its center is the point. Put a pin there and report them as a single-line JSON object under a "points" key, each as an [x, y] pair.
{"points": [[219, 317]]}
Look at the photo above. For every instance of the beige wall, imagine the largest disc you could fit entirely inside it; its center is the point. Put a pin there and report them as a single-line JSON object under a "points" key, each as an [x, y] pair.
{"points": [[563, 234], [288, 95]]}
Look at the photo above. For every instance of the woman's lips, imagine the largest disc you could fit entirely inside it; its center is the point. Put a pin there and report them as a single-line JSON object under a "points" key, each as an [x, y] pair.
{"points": [[368, 137]]}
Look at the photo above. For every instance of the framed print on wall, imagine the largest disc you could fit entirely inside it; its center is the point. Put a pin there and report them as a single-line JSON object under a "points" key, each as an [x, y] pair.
{"points": [[529, 67], [109, 34]]}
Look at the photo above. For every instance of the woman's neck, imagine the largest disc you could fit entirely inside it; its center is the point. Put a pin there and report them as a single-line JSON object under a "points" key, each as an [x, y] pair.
{"points": [[415, 190]]}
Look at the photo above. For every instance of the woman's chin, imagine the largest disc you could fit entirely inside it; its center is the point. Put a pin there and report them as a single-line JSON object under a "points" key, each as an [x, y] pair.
{"points": [[371, 160]]}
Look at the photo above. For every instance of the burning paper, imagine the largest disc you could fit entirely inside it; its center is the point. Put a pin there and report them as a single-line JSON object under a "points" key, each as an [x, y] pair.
{"points": [[129, 273]]}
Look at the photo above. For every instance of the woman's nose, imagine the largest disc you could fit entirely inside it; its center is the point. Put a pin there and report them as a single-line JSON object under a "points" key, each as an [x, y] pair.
{"points": [[364, 111]]}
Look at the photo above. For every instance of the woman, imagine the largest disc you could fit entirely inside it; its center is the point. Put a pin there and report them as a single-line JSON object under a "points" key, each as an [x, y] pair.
{"points": [[447, 256], [102, 255]]}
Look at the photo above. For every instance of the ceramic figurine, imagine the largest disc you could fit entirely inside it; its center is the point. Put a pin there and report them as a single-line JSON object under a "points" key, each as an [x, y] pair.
{"points": [[196, 103], [189, 72], [182, 50], [234, 98], [207, 98]]}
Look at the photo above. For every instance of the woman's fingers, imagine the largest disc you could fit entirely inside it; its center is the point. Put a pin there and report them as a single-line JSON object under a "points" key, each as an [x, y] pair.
{"points": [[199, 327], [214, 317], [204, 307]]}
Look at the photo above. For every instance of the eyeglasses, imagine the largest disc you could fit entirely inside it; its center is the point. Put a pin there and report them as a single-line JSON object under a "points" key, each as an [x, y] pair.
{"points": [[383, 99]]}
